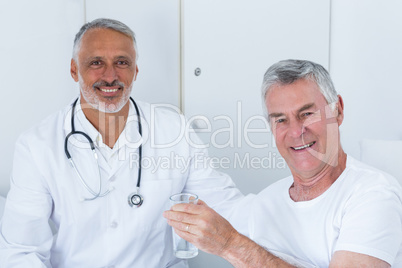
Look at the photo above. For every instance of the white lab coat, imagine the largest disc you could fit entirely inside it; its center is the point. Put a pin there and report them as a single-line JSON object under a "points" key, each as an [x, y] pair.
{"points": [[105, 232]]}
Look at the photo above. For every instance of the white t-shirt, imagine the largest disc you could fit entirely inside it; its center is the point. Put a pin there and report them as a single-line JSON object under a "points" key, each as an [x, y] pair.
{"points": [[361, 212]]}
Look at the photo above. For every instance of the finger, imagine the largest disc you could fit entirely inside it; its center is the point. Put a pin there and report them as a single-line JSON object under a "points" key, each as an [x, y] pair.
{"points": [[180, 217], [188, 236], [181, 228], [188, 208], [201, 203]]}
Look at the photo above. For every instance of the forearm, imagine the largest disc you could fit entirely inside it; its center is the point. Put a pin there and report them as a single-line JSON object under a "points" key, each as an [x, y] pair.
{"points": [[242, 252], [203, 227]]}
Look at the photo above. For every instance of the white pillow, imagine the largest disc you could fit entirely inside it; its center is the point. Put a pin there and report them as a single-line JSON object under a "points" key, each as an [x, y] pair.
{"points": [[384, 155]]}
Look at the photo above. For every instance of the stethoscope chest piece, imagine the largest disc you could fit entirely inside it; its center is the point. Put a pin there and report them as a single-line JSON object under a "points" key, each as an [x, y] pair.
{"points": [[135, 199]]}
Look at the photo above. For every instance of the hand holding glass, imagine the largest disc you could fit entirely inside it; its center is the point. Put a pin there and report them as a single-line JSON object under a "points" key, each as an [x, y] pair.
{"points": [[183, 249]]}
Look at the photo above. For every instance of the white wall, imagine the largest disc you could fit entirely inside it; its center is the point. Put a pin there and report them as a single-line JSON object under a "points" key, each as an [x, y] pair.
{"points": [[365, 64]]}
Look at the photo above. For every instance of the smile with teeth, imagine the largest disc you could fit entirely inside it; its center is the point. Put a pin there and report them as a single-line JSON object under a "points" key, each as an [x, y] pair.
{"points": [[304, 146], [108, 90]]}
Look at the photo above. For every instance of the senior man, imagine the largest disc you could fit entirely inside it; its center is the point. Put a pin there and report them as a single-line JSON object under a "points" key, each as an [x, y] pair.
{"points": [[106, 210], [333, 211]]}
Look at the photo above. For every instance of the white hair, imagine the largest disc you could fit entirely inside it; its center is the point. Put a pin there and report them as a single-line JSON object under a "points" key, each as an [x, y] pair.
{"points": [[103, 23], [289, 71]]}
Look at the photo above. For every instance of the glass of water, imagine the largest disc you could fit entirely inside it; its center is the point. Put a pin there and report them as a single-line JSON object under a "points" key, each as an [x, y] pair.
{"points": [[183, 249]]}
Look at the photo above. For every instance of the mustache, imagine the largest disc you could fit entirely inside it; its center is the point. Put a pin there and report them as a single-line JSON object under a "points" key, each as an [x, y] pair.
{"points": [[107, 84]]}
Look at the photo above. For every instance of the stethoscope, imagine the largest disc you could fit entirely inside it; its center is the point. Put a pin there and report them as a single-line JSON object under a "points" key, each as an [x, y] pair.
{"points": [[134, 199]]}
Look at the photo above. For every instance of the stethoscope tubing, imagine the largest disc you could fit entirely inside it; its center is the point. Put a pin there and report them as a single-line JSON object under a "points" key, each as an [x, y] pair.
{"points": [[91, 144]]}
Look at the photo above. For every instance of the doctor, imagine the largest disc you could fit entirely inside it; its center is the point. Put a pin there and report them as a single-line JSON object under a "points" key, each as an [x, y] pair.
{"points": [[81, 169]]}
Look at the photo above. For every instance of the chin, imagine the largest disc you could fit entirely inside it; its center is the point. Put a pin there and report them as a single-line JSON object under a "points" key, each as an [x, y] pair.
{"points": [[308, 166], [112, 107], [105, 105]]}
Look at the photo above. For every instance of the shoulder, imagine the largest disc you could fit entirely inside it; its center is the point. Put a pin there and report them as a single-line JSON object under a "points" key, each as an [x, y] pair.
{"points": [[46, 130], [372, 206], [39, 146], [275, 189], [159, 111], [369, 178], [367, 191], [165, 124]]}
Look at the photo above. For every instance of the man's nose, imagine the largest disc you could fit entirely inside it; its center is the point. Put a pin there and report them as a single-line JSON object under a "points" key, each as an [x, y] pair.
{"points": [[296, 128], [110, 73]]}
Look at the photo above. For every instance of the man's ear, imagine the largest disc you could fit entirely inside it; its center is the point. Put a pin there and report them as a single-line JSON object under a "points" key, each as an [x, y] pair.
{"points": [[74, 70], [136, 72], [340, 108]]}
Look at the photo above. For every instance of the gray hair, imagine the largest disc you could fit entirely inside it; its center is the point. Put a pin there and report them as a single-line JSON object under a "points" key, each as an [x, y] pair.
{"points": [[103, 23], [289, 71]]}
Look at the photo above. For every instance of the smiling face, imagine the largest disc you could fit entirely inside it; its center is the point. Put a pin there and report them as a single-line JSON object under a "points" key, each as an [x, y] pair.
{"points": [[106, 69], [306, 130]]}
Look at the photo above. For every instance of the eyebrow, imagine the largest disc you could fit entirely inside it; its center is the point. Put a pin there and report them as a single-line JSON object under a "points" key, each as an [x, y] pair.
{"points": [[275, 115], [88, 60], [306, 107], [101, 58], [123, 57], [303, 108]]}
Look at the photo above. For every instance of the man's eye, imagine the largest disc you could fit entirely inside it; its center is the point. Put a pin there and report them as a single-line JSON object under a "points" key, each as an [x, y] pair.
{"points": [[280, 120], [97, 62], [307, 114], [122, 63]]}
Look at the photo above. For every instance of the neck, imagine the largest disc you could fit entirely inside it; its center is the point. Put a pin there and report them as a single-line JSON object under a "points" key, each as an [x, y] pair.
{"points": [[109, 125], [305, 189]]}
